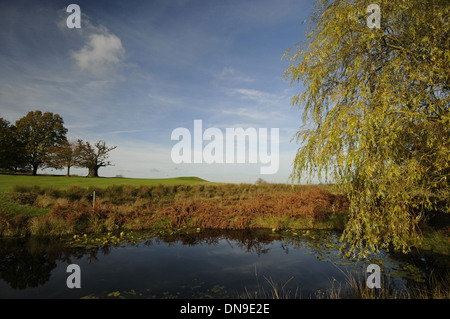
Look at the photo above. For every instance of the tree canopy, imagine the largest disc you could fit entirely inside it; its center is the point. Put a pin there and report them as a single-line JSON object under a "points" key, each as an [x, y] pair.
{"points": [[38, 132], [39, 140], [64, 155], [375, 110], [11, 150], [93, 156]]}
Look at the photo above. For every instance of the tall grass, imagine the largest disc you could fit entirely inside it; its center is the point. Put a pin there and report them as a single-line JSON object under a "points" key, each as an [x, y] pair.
{"points": [[225, 206], [355, 287], [129, 192], [270, 289]]}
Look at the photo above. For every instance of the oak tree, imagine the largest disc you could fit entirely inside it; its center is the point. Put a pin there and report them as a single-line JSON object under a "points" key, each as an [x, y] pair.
{"points": [[64, 155], [12, 154], [94, 156], [38, 132]]}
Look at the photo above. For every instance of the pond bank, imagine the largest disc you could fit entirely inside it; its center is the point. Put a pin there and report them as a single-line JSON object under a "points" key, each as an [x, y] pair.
{"points": [[51, 211], [55, 212]]}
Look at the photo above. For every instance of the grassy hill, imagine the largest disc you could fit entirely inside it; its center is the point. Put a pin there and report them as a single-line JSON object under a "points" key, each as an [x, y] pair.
{"points": [[7, 182]]}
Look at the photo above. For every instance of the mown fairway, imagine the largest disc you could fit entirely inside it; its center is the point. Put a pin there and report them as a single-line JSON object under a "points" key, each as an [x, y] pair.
{"points": [[7, 182]]}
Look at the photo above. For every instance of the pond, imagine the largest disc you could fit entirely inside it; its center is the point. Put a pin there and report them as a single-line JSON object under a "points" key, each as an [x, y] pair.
{"points": [[199, 264]]}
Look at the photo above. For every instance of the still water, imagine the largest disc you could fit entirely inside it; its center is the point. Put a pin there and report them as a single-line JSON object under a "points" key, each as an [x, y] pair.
{"points": [[206, 264]]}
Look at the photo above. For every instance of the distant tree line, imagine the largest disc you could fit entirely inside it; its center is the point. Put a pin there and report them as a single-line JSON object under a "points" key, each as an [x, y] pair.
{"points": [[38, 140]]}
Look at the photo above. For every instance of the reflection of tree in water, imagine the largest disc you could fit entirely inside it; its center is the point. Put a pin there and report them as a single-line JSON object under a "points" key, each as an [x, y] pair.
{"points": [[22, 269], [254, 241], [28, 263]]}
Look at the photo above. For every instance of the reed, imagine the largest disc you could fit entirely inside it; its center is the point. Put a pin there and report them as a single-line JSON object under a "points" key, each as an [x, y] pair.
{"points": [[270, 289], [356, 288], [224, 206]]}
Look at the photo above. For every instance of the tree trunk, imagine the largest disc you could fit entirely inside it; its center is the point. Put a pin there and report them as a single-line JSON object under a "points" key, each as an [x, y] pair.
{"points": [[68, 170], [35, 168], [93, 171]]}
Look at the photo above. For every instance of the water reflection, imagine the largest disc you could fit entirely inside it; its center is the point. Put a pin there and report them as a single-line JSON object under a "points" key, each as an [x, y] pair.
{"points": [[212, 263], [22, 269], [251, 241], [29, 262]]}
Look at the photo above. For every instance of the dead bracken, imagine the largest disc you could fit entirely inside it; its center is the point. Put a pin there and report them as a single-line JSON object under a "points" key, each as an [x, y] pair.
{"points": [[237, 206]]}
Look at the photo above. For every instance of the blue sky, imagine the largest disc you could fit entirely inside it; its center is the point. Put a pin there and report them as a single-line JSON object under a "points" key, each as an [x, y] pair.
{"points": [[137, 70]]}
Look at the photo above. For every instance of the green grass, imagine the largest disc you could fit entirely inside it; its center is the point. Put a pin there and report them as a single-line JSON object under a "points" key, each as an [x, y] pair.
{"points": [[7, 182], [11, 207]]}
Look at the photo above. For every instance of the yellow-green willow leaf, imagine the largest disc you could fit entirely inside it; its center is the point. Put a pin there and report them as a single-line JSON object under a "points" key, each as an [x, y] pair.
{"points": [[378, 100]]}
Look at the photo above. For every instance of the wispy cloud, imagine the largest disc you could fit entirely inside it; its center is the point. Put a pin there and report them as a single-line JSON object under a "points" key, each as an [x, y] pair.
{"points": [[230, 74], [132, 76], [128, 131], [258, 96], [251, 113], [162, 99]]}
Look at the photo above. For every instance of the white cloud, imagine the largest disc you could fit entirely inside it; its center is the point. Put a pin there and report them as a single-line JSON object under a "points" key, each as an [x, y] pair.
{"points": [[100, 53]]}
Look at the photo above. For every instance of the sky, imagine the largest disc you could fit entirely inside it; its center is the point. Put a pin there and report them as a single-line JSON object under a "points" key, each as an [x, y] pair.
{"points": [[137, 70]]}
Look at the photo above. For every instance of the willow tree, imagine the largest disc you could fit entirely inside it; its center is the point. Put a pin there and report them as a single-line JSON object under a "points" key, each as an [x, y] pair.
{"points": [[375, 111]]}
